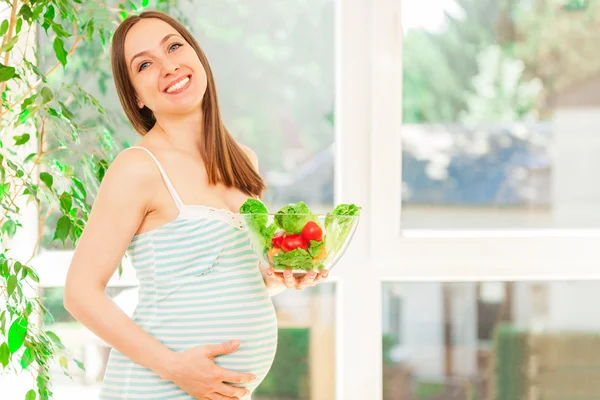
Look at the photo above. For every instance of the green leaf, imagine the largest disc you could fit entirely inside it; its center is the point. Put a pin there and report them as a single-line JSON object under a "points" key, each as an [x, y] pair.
{"points": [[26, 12], [9, 45], [11, 284], [79, 364], [66, 202], [47, 94], [53, 112], [29, 158], [59, 50], [26, 361], [54, 337], [63, 227], [295, 259], [31, 273], [49, 14], [6, 73], [4, 268], [80, 190], [21, 140], [102, 37], [35, 70], [4, 189], [90, 28], [4, 27], [64, 362], [60, 32], [19, 26], [65, 110], [28, 308], [47, 179], [145, 3], [28, 101], [23, 116], [315, 247], [16, 334], [17, 267], [101, 168], [123, 13], [10, 228], [31, 394], [4, 354]]}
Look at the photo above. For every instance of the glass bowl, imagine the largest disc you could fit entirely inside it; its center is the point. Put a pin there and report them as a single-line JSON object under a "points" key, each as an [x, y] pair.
{"points": [[300, 242]]}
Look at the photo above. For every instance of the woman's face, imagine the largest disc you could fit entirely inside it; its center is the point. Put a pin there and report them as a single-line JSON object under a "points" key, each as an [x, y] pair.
{"points": [[164, 69]]}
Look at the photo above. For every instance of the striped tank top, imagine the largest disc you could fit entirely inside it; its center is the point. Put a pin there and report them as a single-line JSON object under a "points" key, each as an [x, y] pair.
{"points": [[199, 283]]}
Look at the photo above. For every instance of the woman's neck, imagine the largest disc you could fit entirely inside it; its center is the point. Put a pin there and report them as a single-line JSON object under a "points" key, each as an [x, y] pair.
{"points": [[183, 132]]}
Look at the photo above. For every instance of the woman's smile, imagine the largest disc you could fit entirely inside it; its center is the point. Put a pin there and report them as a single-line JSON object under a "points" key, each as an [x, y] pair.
{"points": [[179, 85]]}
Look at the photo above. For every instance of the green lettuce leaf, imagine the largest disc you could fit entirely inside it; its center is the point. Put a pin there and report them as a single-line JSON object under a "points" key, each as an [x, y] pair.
{"points": [[338, 225], [293, 217], [295, 259], [314, 247], [257, 222]]}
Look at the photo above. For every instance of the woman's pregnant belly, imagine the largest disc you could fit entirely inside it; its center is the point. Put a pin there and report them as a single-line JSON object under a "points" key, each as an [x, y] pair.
{"points": [[213, 309]]}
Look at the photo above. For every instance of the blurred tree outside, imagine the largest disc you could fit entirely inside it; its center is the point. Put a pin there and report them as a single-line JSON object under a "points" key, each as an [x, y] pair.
{"points": [[554, 40]]}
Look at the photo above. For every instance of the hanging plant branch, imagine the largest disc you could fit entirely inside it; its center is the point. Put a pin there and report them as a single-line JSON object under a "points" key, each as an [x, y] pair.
{"points": [[69, 138]]}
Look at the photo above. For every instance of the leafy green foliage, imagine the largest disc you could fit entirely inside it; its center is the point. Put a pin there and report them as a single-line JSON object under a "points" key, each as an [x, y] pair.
{"points": [[56, 143], [293, 217], [339, 224], [295, 259]]}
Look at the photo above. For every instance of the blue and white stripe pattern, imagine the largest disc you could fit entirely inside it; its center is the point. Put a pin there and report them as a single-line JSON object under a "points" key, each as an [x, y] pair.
{"points": [[199, 284]]}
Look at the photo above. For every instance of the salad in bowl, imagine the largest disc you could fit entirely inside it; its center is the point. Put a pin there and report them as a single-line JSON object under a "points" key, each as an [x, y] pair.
{"points": [[295, 238]]}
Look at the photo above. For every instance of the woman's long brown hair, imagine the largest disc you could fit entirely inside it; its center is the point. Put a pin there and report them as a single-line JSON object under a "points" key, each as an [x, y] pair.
{"points": [[225, 161]]}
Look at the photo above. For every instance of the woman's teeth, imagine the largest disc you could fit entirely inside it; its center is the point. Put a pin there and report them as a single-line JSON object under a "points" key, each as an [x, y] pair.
{"points": [[178, 85]]}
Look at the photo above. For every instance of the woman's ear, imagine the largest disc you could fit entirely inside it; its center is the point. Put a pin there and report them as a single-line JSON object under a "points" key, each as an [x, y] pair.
{"points": [[140, 104]]}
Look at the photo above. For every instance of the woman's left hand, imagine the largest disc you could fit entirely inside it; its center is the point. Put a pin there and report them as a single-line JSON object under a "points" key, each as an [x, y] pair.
{"points": [[311, 278]]}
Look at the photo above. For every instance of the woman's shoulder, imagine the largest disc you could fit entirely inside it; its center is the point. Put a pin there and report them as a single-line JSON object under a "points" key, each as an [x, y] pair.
{"points": [[133, 164]]}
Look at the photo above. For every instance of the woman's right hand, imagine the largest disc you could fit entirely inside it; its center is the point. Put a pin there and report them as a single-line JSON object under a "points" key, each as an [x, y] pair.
{"points": [[195, 372]]}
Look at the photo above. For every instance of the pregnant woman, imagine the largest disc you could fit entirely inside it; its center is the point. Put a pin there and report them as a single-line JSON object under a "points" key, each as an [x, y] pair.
{"points": [[205, 326]]}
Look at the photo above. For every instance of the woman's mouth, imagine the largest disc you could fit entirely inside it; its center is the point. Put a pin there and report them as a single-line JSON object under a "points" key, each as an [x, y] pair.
{"points": [[179, 86]]}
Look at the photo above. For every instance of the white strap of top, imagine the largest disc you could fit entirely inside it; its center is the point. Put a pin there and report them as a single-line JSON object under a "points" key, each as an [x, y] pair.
{"points": [[172, 190]]}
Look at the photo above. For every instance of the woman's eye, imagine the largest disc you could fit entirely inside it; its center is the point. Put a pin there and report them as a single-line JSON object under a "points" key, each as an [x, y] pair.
{"points": [[143, 65], [172, 47]]}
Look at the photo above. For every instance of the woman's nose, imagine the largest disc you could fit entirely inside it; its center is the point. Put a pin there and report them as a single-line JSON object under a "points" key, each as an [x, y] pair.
{"points": [[169, 67]]}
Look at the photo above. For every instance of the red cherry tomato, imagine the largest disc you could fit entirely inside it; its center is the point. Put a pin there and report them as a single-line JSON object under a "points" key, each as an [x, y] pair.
{"points": [[277, 239], [312, 231], [291, 242]]}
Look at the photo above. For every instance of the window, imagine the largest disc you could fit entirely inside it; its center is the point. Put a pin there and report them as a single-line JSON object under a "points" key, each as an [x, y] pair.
{"points": [[534, 329], [492, 136]]}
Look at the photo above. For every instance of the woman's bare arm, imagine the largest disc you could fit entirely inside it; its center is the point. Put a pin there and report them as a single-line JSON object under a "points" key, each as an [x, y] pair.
{"points": [[122, 202]]}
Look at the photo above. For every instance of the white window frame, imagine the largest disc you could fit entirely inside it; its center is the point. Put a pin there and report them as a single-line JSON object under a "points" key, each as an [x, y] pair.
{"points": [[368, 172]]}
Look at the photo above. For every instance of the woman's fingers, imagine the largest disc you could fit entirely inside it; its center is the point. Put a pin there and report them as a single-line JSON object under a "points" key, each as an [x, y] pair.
{"points": [[307, 280], [288, 279]]}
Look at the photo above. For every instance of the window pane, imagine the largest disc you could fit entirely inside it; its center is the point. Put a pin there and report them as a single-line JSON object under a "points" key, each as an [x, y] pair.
{"points": [[500, 120], [304, 366], [490, 340], [273, 67]]}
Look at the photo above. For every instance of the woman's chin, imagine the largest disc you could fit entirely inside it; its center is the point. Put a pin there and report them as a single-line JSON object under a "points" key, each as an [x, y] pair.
{"points": [[183, 108]]}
